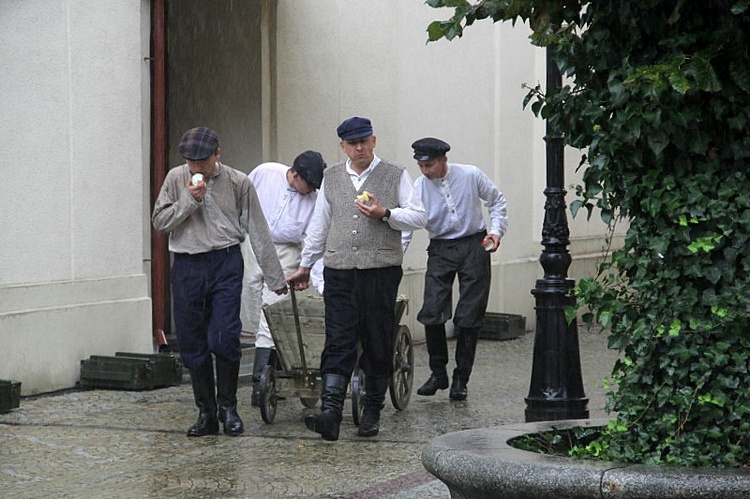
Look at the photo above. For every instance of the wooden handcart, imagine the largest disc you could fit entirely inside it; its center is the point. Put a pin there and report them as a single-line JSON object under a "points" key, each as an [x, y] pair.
{"points": [[298, 329]]}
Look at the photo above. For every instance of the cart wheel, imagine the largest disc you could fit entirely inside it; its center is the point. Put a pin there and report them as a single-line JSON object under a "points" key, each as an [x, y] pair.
{"points": [[268, 396], [358, 394], [403, 369], [310, 403]]}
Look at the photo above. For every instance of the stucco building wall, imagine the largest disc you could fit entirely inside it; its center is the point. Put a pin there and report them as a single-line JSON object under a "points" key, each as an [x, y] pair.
{"points": [[72, 253]]}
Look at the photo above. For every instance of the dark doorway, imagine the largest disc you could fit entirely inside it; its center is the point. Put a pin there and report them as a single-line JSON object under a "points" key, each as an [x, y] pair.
{"points": [[207, 70]]}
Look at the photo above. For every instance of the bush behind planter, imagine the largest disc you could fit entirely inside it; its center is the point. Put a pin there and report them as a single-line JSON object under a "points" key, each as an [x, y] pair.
{"points": [[658, 93]]}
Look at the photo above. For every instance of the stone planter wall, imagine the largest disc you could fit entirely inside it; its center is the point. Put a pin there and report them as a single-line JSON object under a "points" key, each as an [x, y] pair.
{"points": [[480, 464]]}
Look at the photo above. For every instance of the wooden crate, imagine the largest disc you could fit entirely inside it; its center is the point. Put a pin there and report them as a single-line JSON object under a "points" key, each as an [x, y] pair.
{"points": [[168, 369], [498, 326], [10, 395], [131, 371]]}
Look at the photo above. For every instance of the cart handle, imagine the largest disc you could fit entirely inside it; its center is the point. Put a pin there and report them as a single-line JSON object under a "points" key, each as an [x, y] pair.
{"points": [[299, 331]]}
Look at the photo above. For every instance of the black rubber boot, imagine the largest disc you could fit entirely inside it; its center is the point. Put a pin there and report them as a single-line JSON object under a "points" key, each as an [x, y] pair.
{"points": [[372, 402], [437, 348], [328, 421], [262, 359], [466, 347], [226, 395], [204, 393]]}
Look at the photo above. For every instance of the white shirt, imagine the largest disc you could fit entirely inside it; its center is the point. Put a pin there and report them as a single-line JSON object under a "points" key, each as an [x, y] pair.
{"points": [[454, 203], [287, 211], [409, 215]]}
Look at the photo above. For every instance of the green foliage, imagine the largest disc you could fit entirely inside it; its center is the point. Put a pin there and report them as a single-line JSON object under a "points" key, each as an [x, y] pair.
{"points": [[658, 95]]}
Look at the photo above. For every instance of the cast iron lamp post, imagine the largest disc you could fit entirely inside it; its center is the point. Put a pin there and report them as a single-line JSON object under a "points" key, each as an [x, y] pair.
{"points": [[556, 390]]}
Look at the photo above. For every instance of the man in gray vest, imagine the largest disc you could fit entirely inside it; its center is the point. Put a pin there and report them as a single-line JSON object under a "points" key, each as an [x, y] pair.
{"points": [[363, 206]]}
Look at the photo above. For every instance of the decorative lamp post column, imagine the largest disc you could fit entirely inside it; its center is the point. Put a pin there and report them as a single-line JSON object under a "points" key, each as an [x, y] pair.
{"points": [[556, 390]]}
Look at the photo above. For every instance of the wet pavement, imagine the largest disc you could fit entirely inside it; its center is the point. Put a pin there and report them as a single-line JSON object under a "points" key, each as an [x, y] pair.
{"points": [[107, 443]]}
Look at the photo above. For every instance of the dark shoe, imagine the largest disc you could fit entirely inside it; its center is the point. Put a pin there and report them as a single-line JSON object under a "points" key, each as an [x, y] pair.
{"points": [[204, 392], [433, 384], [232, 423], [207, 424], [328, 421], [458, 389], [369, 425]]}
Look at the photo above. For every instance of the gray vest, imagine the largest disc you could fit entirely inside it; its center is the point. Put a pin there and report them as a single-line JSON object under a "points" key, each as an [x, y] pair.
{"points": [[356, 242]]}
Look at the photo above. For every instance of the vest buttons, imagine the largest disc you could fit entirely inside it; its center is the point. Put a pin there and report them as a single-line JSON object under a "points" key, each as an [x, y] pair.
{"points": [[354, 232], [354, 248]]}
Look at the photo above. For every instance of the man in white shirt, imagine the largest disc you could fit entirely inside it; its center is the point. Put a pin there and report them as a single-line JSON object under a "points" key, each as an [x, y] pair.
{"points": [[460, 245], [287, 197]]}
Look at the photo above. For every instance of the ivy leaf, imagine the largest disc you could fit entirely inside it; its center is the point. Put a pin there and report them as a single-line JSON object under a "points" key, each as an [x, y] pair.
{"points": [[704, 74], [605, 319], [576, 205], [740, 7], [657, 141], [571, 313], [679, 82], [618, 92], [713, 274], [740, 72]]}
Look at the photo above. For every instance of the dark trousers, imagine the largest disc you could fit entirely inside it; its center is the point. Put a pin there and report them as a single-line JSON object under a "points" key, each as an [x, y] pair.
{"points": [[360, 308], [448, 258], [206, 295]]}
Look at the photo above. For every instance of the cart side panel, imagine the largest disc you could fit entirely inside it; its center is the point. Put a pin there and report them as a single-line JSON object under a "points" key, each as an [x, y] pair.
{"points": [[280, 318]]}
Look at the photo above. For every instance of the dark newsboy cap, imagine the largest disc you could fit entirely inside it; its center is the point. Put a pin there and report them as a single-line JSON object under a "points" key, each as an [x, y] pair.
{"points": [[354, 128], [199, 143], [310, 166], [428, 148]]}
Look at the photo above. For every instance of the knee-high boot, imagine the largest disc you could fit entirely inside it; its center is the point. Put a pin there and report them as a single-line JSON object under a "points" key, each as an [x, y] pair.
{"points": [[437, 348], [466, 347], [226, 395], [202, 379], [375, 389], [328, 421]]}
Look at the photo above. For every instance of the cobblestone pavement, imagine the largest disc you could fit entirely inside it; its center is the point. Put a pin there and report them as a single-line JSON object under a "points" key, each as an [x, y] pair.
{"points": [[105, 443]]}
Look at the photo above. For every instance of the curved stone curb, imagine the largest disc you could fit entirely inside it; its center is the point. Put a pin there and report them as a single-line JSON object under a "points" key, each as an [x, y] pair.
{"points": [[480, 464]]}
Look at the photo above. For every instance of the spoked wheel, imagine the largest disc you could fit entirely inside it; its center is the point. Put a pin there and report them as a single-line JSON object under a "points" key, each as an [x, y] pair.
{"points": [[403, 369], [268, 396], [309, 402], [358, 394]]}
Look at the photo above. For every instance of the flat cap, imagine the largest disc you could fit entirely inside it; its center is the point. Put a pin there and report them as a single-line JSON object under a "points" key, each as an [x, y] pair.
{"points": [[199, 143], [354, 128], [428, 148], [310, 166]]}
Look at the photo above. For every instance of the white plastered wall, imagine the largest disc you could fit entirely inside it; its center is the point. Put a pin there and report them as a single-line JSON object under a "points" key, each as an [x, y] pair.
{"points": [[336, 59], [75, 181]]}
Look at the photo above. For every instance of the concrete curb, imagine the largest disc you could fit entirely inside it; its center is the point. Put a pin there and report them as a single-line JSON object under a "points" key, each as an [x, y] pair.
{"points": [[480, 464]]}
